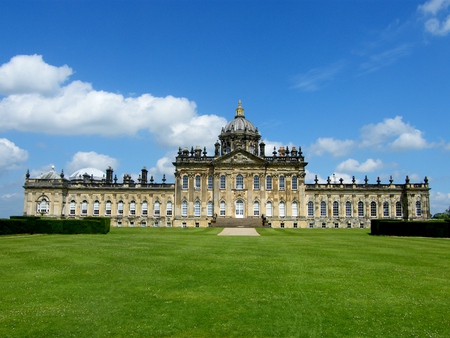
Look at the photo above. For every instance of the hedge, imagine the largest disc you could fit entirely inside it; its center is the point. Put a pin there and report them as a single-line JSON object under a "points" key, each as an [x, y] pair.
{"points": [[431, 228], [38, 225]]}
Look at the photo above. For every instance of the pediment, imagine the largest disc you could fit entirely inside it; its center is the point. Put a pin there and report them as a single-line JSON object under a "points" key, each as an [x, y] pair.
{"points": [[239, 156]]}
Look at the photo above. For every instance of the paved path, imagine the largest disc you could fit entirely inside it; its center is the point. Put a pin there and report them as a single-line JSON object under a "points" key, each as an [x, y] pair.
{"points": [[238, 232]]}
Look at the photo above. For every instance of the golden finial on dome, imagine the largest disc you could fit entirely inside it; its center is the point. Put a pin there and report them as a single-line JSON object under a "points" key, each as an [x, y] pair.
{"points": [[239, 110]]}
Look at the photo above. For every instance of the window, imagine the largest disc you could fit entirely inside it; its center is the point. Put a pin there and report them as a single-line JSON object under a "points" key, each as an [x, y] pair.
{"points": [[335, 209], [294, 183], [269, 182], [360, 209], [386, 209], [282, 209], [348, 209], [418, 209], [119, 223], [169, 208], [311, 225], [185, 182], [398, 209], [143, 224], [144, 208], [222, 182], [294, 209], [96, 208], [131, 224], [197, 182], [373, 209], [84, 207], [72, 207], [184, 208], [210, 182], [323, 209], [256, 182], [269, 209], [222, 208], [42, 207], [239, 182], [120, 208], [133, 208], [197, 224], [295, 225], [197, 208], [324, 225], [210, 208], [157, 209], [282, 225], [108, 208], [256, 208], [336, 225], [281, 182], [310, 209], [184, 224]]}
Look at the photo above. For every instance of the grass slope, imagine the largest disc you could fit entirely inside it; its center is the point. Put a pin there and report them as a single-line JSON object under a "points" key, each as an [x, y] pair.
{"points": [[192, 283]]}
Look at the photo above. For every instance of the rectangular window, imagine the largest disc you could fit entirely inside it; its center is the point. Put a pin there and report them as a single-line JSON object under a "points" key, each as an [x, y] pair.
{"points": [[310, 209], [294, 183], [222, 182], [210, 182], [256, 182], [269, 209], [348, 209], [398, 209], [197, 208], [335, 209], [281, 181], [222, 208], [323, 209], [144, 209], [185, 182], [84, 208], [294, 209], [210, 208], [184, 208], [120, 208], [169, 209], [269, 183], [108, 208], [157, 209], [197, 182], [132, 208], [360, 209], [256, 209], [96, 208]]}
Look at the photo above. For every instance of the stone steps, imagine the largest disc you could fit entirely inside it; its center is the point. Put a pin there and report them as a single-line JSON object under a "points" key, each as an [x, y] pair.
{"points": [[238, 223]]}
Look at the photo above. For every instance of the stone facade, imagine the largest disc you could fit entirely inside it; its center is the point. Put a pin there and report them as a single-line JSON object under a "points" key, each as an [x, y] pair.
{"points": [[240, 181]]}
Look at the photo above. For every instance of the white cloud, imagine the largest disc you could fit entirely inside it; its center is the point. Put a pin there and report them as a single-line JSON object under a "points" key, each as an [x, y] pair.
{"points": [[90, 160], [11, 156], [437, 19], [330, 145], [402, 135], [352, 165], [30, 74], [77, 108], [439, 201], [316, 78], [385, 58], [163, 166]]}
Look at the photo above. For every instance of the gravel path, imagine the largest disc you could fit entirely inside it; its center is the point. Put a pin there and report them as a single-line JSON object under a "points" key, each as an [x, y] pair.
{"points": [[238, 232]]}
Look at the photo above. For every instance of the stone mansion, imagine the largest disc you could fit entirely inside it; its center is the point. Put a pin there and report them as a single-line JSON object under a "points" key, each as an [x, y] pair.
{"points": [[241, 183]]}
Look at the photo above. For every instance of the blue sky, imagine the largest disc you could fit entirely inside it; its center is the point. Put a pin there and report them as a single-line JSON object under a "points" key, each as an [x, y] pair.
{"points": [[362, 86]]}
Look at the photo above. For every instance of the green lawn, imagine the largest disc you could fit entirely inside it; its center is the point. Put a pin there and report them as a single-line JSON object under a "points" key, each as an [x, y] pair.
{"points": [[146, 282]]}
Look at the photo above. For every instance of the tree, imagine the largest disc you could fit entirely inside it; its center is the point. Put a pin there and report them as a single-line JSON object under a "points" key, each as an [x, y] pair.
{"points": [[442, 215]]}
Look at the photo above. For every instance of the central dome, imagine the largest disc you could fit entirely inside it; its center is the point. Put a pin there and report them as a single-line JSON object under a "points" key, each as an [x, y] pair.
{"points": [[239, 122]]}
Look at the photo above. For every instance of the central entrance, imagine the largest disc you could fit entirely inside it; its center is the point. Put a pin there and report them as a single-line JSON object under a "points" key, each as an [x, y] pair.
{"points": [[239, 209]]}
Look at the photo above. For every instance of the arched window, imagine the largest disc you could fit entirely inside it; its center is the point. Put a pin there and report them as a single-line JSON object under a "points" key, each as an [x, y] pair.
{"points": [[239, 181], [269, 209], [386, 209], [43, 206], [373, 209], [282, 209], [398, 209], [184, 206], [335, 209], [185, 182], [222, 208], [323, 209], [197, 208], [96, 208], [222, 182], [360, 209], [294, 209], [132, 208], [72, 207], [294, 183], [210, 182], [120, 208], [269, 182], [144, 208], [256, 182], [169, 208], [197, 182], [108, 208], [281, 182], [210, 209], [156, 209], [418, 209], [348, 209], [256, 208], [84, 208], [310, 209]]}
